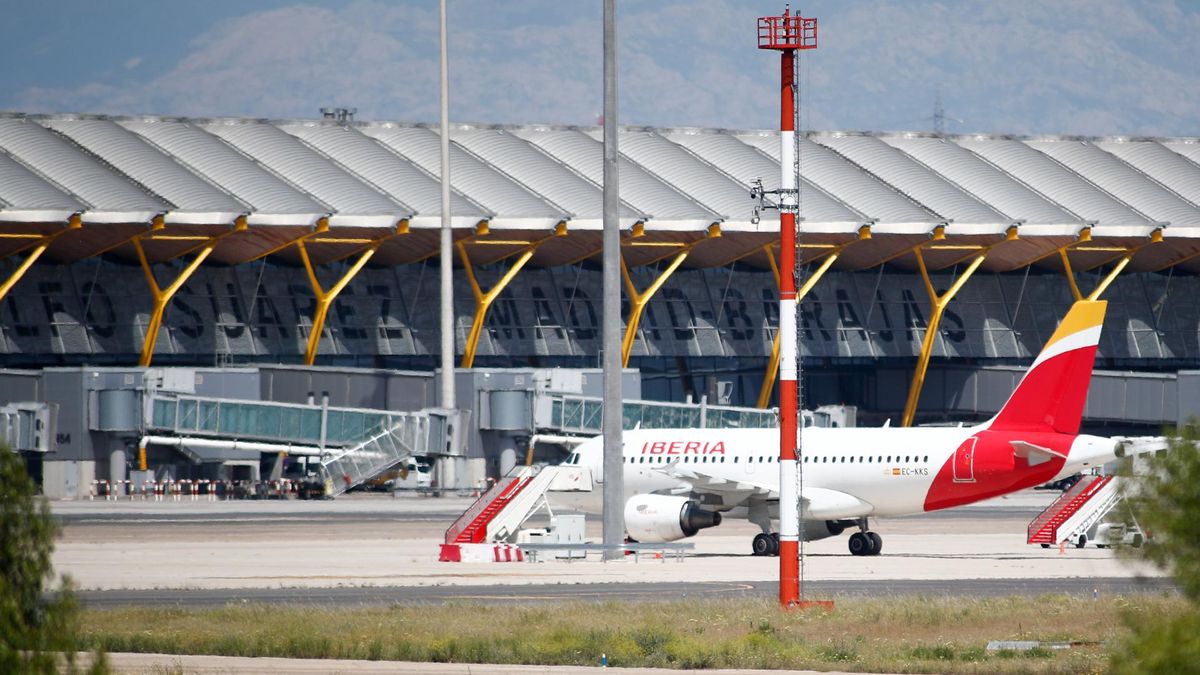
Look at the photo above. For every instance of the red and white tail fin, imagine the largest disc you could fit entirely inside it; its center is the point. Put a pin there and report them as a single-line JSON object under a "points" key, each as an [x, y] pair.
{"points": [[1053, 392]]}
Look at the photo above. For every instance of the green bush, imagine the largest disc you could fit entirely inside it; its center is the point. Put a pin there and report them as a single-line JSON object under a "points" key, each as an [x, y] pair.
{"points": [[1166, 503], [38, 624]]}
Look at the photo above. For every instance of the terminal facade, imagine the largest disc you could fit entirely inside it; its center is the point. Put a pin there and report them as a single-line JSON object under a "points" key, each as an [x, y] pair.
{"points": [[934, 267]]}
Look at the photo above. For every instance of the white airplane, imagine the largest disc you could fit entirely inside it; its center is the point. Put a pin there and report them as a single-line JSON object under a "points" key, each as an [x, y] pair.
{"points": [[686, 480]]}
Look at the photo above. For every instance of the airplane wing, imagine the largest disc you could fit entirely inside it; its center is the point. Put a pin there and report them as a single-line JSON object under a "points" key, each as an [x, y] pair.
{"points": [[732, 492], [1036, 454], [819, 503]]}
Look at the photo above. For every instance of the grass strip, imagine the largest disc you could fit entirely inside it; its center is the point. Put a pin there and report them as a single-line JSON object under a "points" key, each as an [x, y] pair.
{"points": [[898, 635]]}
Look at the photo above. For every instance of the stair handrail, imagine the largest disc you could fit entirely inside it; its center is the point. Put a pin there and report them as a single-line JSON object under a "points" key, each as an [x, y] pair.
{"points": [[536, 486], [462, 522], [1056, 506], [1080, 493], [1102, 499]]}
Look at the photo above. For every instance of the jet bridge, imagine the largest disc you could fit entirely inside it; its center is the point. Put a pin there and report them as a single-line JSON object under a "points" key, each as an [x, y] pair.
{"points": [[353, 445]]}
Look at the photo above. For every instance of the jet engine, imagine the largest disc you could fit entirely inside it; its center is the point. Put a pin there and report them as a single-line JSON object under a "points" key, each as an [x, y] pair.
{"points": [[813, 530], [659, 518]]}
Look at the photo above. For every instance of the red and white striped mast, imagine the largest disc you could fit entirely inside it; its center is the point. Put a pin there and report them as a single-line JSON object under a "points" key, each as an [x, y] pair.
{"points": [[788, 34]]}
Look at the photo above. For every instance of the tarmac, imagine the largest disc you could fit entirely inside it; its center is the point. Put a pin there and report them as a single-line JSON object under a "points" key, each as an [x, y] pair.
{"points": [[375, 540]]}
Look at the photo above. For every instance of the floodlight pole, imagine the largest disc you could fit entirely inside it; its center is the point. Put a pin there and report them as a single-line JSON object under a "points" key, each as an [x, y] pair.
{"points": [[610, 426], [788, 34], [446, 248]]}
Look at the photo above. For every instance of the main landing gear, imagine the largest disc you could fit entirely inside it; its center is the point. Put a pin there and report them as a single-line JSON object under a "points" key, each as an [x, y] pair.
{"points": [[865, 542], [765, 544]]}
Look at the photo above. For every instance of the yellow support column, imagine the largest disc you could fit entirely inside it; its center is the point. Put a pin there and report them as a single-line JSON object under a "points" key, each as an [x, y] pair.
{"points": [[324, 297], [162, 296], [769, 377], [483, 301], [18, 273], [768, 383], [1126, 256], [39, 247], [638, 301], [939, 303]]}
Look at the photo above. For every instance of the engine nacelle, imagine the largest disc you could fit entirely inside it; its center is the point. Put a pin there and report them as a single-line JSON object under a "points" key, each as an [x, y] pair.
{"points": [[820, 529], [654, 519]]}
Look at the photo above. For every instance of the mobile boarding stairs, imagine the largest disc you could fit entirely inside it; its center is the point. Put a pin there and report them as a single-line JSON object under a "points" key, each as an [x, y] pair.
{"points": [[501, 511], [1070, 517]]}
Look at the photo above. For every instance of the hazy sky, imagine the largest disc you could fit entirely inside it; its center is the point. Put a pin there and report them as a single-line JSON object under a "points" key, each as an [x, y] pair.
{"points": [[1093, 67]]}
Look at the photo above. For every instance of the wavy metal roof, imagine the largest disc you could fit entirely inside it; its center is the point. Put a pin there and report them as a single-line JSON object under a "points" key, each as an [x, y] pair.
{"points": [[663, 205], [864, 192], [354, 202], [1058, 183], [1158, 161], [510, 204], [273, 200], [26, 198], [195, 200], [119, 173], [746, 164], [377, 164], [109, 196], [540, 171], [1122, 181], [966, 212], [984, 180]]}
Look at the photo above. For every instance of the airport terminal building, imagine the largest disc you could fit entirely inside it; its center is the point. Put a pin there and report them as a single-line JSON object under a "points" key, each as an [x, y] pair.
{"points": [[173, 287]]}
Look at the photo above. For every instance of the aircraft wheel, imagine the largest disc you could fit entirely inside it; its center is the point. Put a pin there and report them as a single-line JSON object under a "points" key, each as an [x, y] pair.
{"points": [[876, 543], [860, 544], [762, 544], [1045, 545], [1082, 541], [774, 543]]}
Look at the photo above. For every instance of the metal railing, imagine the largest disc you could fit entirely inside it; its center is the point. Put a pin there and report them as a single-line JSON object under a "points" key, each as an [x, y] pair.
{"points": [[468, 517], [407, 436], [581, 415]]}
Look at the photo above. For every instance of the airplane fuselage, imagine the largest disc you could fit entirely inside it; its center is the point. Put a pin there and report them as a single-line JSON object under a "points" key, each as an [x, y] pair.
{"points": [[892, 471]]}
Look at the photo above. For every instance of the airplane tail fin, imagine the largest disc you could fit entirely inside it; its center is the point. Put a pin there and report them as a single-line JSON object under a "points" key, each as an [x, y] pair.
{"points": [[1053, 392]]}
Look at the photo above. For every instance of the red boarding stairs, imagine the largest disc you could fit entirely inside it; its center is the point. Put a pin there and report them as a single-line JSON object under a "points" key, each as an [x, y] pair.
{"points": [[495, 517], [1075, 511]]}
